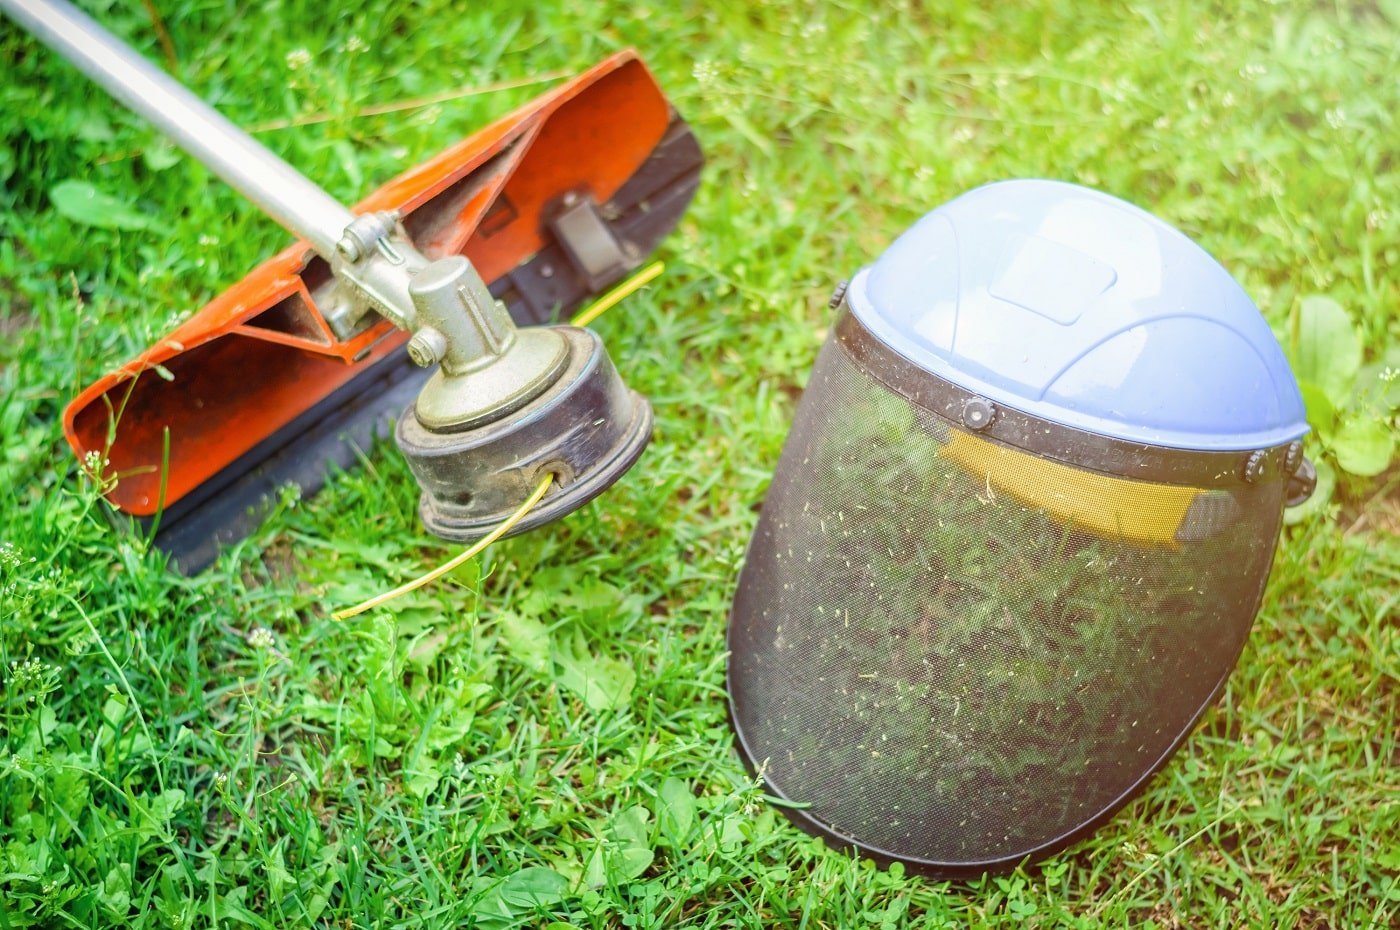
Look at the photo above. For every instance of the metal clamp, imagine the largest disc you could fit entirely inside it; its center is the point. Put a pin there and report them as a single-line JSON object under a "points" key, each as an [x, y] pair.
{"points": [[600, 257]]}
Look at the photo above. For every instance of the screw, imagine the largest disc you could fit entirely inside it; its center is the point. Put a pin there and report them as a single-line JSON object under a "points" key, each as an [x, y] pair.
{"points": [[1254, 466], [427, 347], [977, 413], [838, 295], [348, 248], [1293, 457]]}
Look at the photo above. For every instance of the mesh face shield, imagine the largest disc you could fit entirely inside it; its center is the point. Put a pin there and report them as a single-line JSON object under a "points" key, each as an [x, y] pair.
{"points": [[964, 636]]}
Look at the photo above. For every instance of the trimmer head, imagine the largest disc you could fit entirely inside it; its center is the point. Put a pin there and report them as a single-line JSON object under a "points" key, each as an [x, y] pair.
{"points": [[587, 429], [274, 382]]}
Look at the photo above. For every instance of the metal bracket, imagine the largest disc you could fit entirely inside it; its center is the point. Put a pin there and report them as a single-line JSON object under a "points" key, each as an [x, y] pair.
{"points": [[600, 257]]}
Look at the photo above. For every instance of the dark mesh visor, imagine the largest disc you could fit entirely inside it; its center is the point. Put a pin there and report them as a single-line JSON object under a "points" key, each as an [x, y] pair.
{"points": [[958, 653]]}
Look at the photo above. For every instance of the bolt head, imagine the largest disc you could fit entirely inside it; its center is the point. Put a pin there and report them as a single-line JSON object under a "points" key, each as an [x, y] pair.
{"points": [[348, 248], [1293, 457], [838, 295], [427, 347], [1255, 466], [977, 413]]}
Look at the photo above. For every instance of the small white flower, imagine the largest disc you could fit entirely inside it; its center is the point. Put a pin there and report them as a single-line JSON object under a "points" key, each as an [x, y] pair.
{"points": [[33, 676], [10, 555], [95, 464], [298, 58], [355, 44], [261, 638], [705, 73]]}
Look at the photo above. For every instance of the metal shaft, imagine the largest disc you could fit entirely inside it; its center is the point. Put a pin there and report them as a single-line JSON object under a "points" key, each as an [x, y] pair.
{"points": [[279, 189]]}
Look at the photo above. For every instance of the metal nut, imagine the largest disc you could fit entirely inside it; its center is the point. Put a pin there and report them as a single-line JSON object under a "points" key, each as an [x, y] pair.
{"points": [[427, 347]]}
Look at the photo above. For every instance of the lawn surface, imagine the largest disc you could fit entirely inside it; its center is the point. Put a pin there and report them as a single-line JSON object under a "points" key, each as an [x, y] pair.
{"points": [[217, 751]]}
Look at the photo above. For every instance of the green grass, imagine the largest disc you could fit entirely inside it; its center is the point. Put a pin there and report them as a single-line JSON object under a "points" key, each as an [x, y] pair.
{"points": [[164, 763]]}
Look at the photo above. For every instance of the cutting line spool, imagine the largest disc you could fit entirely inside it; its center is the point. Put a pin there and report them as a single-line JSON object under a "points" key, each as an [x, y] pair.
{"points": [[588, 315]]}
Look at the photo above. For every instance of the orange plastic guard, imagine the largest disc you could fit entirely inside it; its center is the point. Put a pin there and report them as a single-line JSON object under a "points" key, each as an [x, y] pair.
{"points": [[260, 354]]}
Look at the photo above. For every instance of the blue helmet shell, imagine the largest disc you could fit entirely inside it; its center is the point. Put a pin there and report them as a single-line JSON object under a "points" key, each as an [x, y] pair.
{"points": [[1081, 309]]}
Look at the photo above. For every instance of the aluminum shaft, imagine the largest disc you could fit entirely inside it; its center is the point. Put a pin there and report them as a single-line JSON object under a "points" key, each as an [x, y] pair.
{"points": [[280, 190]]}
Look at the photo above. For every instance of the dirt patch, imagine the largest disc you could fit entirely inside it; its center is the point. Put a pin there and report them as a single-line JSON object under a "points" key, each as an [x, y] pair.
{"points": [[1377, 512], [16, 312]]}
